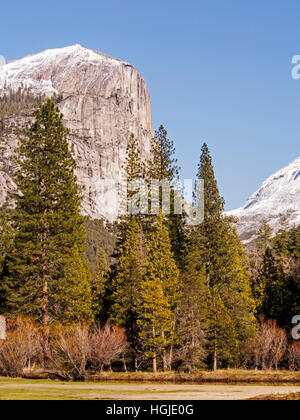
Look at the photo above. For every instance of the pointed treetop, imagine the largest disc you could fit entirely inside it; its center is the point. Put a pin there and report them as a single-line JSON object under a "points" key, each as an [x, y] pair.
{"points": [[213, 202]]}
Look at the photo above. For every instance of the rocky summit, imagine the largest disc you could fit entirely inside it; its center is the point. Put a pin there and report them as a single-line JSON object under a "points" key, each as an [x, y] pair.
{"points": [[276, 201], [103, 101]]}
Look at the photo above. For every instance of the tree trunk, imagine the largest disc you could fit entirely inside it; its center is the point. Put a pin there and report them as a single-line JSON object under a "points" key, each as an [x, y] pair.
{"points": [[45, 318], [165, 363], [215, 360], [171, 358], [164, 355], [154, 363], [154, 354], [124, 366], [45, 268]]}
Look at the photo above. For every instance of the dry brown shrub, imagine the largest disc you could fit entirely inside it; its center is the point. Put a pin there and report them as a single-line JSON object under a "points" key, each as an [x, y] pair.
{"points": [[21, 348], [270, 345], [294, 357], [107, 344], [70, 351], [75, 349]]}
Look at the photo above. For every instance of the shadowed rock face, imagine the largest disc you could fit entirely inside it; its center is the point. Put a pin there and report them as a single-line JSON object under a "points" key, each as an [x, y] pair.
{"points": [[103, 101]]}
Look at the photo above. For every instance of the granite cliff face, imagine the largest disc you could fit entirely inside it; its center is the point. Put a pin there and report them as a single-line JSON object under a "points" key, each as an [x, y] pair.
{"points": [[103, 100]]}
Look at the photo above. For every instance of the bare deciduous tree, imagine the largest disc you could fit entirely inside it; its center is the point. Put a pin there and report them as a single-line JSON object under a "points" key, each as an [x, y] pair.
{"points": [[294, 357], [107, 345], [270, 345], [21, 348], [76, 349]]}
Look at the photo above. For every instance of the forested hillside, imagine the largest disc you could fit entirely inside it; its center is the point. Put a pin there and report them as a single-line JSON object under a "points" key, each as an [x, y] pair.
{"points": [[150, 291]]}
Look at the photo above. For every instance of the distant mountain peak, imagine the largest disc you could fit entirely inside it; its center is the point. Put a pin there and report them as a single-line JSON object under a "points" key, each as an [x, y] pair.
{"points": [[278, 198], [28, 70], [103, 100]]}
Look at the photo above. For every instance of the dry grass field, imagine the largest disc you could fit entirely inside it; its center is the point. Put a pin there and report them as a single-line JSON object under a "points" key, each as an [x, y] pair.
{"points": [[223, 385]]}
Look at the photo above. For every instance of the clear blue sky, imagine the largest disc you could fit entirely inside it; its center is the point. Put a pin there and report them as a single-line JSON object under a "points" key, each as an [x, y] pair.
{"points": [[218, 71]]}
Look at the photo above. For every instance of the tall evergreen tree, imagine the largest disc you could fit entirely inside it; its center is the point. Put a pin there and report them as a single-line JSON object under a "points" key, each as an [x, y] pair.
{"points": [[99, 284], [6, 239], [6, 246], [71, 298], [133, 169], [264, 237], [160, 293], [126, 286], [275, 290], [164, 166], [222, 261], [49, 241], [193, 312]]}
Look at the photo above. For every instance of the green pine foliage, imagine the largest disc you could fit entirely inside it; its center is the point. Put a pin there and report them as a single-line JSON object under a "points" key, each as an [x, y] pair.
{"points": [[161, 258], [276, 283], [71, 296], [188, 298], [164, 166], [6, 246], [160, 293], [50, 237], [154, 316], [6, 239], [101, 237], [277, 289], [99, 284], [133, 169], [218, 256], [127, 282], [264, 237], [192, 314]]}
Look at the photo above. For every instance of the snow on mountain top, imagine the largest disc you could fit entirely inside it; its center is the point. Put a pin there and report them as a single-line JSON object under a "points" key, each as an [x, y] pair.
{"points": [[20, 72], [278, 198]]}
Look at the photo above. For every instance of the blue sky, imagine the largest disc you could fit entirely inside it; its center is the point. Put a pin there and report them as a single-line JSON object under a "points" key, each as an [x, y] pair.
{"points": [[218, 71]]}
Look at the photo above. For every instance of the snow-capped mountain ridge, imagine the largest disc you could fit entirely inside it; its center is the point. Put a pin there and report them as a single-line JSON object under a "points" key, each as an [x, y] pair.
{"points": [[103, 100], [20, 72], [278, 198]]}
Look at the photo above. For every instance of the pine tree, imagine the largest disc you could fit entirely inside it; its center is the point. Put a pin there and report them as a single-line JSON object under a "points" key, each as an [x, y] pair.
{"points": [[282, 241], [221, 332], [264, 237], [221, 260], [295, 243], [50, 237], [6, 239], [193, 313], [126, 286], [154, 316], [134, 167], [275, 287], [71, 297], [133, 170], [163, 274], [162, 259], [6, 246], [99, 284], [163, 166]]}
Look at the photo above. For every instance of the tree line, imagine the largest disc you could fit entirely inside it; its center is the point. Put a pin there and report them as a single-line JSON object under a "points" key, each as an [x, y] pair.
{"points": [[187, 297]]}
